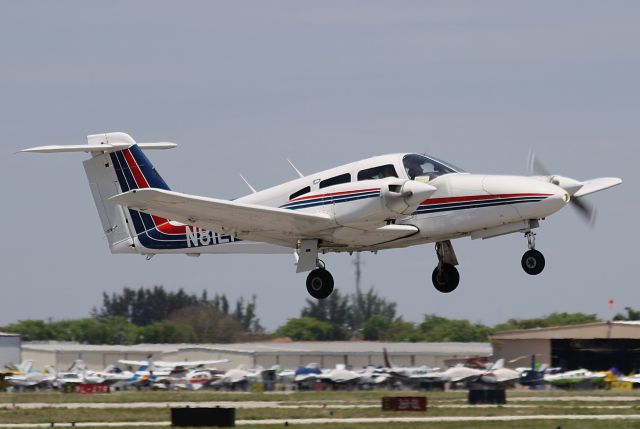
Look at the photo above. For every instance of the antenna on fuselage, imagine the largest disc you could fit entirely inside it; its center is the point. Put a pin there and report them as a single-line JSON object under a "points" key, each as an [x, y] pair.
{"points": [[248, 184], [294, 167]]}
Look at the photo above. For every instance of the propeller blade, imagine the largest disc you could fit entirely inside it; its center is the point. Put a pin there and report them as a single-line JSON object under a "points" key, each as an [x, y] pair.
{"points": [[536, 166], [586, 211]]}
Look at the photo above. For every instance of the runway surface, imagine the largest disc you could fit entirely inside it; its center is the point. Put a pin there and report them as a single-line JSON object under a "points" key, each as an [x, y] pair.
{"points": [[514, 402], [361, 420]]}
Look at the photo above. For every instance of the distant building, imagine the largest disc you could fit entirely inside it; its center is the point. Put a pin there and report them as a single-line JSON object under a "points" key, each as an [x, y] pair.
{"points": [[594, 346], [9, 348], [356, 354]]}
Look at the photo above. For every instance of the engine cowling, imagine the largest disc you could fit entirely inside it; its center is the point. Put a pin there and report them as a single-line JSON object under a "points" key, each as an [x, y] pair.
{"points": [[396, 198], [404, 198]]}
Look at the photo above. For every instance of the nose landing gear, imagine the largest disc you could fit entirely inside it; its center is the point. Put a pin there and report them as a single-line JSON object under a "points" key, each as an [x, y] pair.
{"points": [[445, 277], [532, 260]]}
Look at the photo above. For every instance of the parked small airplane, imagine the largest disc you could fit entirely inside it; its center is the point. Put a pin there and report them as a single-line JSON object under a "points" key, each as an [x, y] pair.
{"points": [[24, 377], [384, 202], [575, 377], [152, 371], [238, 378], [411, 374]]}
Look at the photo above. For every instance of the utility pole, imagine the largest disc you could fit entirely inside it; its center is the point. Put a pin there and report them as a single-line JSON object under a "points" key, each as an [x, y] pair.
{"points": [[358, 264]]}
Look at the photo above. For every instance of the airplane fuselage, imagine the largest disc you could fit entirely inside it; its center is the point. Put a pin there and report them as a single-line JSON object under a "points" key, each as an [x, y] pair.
{"points": [[383, 202], [463, 204]]}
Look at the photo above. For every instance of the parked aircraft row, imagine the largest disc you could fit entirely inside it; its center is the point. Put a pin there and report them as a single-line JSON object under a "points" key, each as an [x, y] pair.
{"points": [[195, 375]]}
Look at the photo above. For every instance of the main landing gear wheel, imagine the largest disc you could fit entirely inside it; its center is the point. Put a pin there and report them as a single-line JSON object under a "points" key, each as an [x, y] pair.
{"points": [[532, 262], [320, 283], [445, 278]]}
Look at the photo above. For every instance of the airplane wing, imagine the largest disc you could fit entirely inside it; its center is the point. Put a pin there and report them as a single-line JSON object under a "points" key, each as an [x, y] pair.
{"points": [[134, 362], [188, 363], [246, 221]]}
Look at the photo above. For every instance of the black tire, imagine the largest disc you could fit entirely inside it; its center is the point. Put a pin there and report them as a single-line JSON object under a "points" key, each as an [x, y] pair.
{"points": [[445, 280], [320, 283], [532, 262]]}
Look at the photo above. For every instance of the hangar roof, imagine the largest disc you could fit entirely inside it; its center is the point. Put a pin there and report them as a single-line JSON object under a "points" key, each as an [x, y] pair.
{"points": [[598, 330], [274, 347]]}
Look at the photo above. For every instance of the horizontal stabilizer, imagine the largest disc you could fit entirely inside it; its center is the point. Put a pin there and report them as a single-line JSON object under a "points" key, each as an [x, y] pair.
{"points": [[108, 147], [595, 185]]}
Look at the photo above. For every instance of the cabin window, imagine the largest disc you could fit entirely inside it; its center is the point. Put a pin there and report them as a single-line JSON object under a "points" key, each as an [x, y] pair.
{"points": [[423, 166], [379, 172], [343, 178], [302, 191]]}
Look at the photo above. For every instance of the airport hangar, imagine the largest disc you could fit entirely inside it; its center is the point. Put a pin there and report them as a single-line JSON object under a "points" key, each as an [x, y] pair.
{"points": [[594, 346], [9, 348], [356, 354]]}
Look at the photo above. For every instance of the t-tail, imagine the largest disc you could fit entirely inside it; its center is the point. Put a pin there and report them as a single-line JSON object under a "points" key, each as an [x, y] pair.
{"points": [[118, 165]]}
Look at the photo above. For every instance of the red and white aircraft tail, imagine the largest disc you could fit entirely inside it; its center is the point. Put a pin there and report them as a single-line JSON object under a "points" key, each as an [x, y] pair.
{"points": [[118, 165]]}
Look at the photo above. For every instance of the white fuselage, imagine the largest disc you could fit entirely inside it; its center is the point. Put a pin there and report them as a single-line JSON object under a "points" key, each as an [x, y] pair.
{"points": [[463, 204], [373, 211]]}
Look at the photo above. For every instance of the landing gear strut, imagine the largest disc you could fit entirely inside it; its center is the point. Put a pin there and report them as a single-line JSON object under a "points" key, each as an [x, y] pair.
{"points": [[445, 277], [320, 282], [532, 260]]}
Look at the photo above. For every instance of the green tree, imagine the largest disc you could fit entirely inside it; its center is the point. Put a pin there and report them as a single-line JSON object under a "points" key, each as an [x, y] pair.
{"points": [[404, 331], [32, 330], [334, 310], [144, 306], [631, 314], [209, 324], [305, 329], [435, 328], [246, 315], [553, 319], [376, 328], [365, 306], [167, 332], [118, 330]]}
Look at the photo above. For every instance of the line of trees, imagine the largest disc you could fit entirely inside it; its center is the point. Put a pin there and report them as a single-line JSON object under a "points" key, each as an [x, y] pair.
{"points": [[154, 315]]}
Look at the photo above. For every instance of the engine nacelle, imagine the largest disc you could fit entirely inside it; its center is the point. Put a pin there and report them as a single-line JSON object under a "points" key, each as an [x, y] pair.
{"points": [[404, 198], [379, 200]]}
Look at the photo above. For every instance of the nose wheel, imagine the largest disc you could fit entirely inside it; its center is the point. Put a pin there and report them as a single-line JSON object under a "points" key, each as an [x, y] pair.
{"points": [[445, 277], [532, 260], [320, 283]]}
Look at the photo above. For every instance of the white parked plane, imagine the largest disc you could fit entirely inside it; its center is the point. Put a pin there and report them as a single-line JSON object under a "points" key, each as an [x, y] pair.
{"points": [[384, 202]]}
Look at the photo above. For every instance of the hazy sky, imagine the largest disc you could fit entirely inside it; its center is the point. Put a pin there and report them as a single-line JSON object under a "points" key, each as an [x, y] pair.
{"points": [[240, 86]]}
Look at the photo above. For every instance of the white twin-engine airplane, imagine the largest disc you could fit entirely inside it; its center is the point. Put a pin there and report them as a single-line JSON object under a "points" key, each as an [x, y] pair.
{"points": [[384, 202]]}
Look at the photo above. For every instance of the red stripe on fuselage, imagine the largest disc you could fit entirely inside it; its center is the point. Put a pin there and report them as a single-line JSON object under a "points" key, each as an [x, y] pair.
{"points": [[470, 198], [161, 223], [333, 194]]}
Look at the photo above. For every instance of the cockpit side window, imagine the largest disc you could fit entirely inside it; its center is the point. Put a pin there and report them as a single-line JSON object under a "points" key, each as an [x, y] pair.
{"points": [[379, 172], [302, 191], [419, 165], [343, 178]]}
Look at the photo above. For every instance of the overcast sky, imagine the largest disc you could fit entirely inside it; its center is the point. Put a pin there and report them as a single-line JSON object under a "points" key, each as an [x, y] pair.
{"points": [[241, 86]]}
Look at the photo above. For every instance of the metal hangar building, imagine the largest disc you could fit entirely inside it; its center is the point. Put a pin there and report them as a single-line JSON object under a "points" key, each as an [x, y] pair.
{"points": [[594, 346], [356, 354]]}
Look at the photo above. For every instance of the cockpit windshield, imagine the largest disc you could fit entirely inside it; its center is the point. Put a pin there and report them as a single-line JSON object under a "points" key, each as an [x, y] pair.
{"points": [[420, 165]]}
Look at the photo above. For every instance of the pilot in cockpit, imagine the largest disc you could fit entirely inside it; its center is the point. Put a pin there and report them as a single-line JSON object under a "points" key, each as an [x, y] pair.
{"points": [[414, 169]]}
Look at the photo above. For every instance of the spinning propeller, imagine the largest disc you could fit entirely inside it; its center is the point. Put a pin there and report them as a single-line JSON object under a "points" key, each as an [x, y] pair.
{"points": [[575, 188]]}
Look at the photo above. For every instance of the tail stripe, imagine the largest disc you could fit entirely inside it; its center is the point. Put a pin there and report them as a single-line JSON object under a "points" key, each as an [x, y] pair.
{"points": [[134, 171], [141, 182]]}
